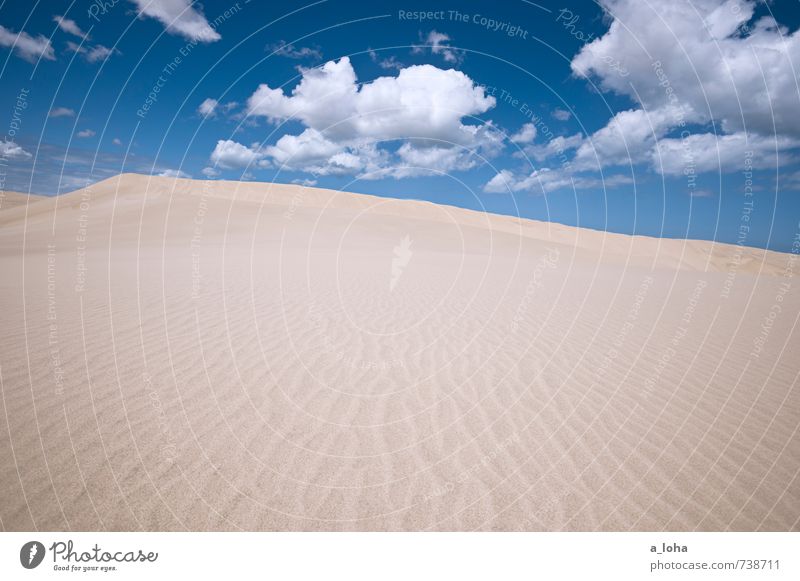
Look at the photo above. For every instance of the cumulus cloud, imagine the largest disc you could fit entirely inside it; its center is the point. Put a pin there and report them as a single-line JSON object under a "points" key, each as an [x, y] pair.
{"points": [[791, 181], [61, 112], [415, 161], [637, 136], [423, 107], [69, 26], [628, 138], [640, 137], [312, 152], [709, 55], [526, 134], [98, 53], [561, 114], [687, 64], [290, 51], [437, 42], [9, 150], [230, 154], [85, 133], [305, 182], [699, 62], [387, 63], [210, 172], [179, 17], [319, 101], [557, 147], [547, 180], [208, 107], [116, 141], [174, 173], [305, 150], [26, 46], [704, 152], [421, 101], [92, 54]]}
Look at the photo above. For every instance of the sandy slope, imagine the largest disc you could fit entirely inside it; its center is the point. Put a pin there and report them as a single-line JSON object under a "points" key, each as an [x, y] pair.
{"points": [[10, 200], [216, 355]]}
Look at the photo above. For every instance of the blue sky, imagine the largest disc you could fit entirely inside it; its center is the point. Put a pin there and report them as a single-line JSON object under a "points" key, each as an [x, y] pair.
{"points": [[678, 120]]}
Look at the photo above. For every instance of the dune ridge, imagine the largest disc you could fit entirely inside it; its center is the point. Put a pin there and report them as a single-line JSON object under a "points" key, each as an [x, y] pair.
{"points": [[211, 355], [9, 199]]}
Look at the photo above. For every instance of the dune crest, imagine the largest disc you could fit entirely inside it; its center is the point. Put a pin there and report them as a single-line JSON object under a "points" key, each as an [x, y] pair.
{"points": [[213, 355]]}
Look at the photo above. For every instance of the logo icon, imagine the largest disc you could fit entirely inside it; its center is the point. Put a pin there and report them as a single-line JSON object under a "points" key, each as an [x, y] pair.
{"points": [[402, 256], [31, 554]]}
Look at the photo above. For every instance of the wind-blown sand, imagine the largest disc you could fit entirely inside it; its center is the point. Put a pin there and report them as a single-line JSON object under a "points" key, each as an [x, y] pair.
{"points": [[182, 354], [15, 199]]}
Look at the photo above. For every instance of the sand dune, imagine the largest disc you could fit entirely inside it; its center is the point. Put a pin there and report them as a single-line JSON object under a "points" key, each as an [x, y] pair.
{"points": [[182, 354], [10, 200]]}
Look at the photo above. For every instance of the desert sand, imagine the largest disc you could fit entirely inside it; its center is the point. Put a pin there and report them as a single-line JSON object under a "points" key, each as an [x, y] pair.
{"points": [[10, 199], [182, 354]]}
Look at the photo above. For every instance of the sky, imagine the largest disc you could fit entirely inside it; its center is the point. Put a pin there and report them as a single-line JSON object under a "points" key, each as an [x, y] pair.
{"points": [[677, 119]]}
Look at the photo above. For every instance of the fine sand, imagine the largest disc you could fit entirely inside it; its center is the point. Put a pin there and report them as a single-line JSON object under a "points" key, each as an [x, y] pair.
{"points": [[182, 354], [10, 200]]}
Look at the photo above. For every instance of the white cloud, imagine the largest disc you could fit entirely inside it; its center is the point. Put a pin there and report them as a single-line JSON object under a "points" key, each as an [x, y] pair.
{"points": [[791, 181], [174, 173], [85, 133], [92, 54], [415, 161], [547, 180], [708, 152], [503, 181], [708, 56], [26, 46], [309, 147], [437, 42], [311, 151], [686, 64], [526, 134], [556, 147], [322, 98], [387, 63], [639, 137], [305, 182], [561, 114], [11, 151], [210, 172], [701, 193], [628, 138], [69, 26], [208, 107], [179, 17], [290, 51], [423, 106], [421, 101], [117, 141], [97, 53], [61, 112], [230, 154]]}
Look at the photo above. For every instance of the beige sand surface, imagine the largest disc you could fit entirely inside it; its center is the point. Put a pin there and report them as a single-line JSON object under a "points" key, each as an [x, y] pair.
{"points": [[198, 355], [10, 199]]}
